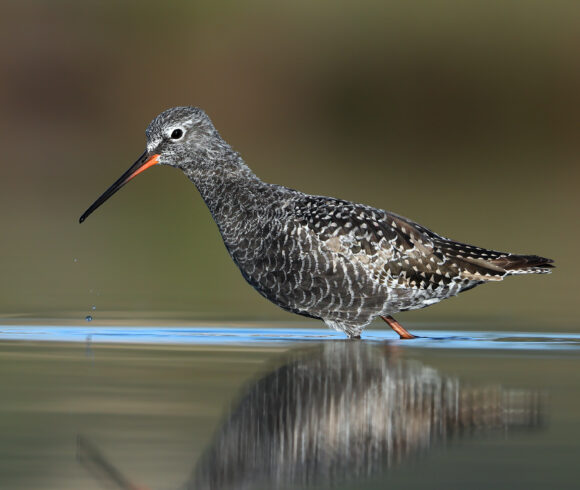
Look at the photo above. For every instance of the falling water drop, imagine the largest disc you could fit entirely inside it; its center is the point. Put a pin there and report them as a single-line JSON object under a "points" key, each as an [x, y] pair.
{"points": [[88, 318]]}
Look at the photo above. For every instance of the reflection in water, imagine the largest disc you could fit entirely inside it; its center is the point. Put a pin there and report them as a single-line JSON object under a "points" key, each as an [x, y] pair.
{"points": [[107, 474], [347, 411]]}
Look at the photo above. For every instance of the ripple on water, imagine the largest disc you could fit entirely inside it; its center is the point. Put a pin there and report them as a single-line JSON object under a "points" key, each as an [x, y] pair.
{"points": [[236, 335]]}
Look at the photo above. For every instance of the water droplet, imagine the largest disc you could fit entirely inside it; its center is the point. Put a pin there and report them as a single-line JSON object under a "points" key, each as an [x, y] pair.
{"points": [[88, 318], [93, 307], [75, 260]]}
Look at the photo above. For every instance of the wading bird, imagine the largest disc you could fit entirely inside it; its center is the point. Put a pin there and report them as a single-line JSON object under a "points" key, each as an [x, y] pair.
{"points": [[321, 257]]}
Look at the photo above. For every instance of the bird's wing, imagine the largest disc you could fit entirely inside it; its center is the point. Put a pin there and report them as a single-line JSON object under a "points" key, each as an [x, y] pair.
{"points": [[395, 249], [443, 260]]}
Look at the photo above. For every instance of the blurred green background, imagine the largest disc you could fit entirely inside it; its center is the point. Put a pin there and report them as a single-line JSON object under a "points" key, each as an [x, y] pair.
{"points": [[460, 115]]}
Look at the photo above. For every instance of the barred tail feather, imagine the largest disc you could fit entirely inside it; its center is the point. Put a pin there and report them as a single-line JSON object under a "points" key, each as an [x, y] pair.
{"points": [[480, 264], [524, 264]]}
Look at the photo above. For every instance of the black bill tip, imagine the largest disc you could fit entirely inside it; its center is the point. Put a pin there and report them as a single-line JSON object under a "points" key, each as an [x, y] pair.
{"points": [[143, 163]]}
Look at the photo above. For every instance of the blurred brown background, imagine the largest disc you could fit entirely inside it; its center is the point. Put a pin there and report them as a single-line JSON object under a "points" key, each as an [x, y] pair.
{"points": [[460, 115]]}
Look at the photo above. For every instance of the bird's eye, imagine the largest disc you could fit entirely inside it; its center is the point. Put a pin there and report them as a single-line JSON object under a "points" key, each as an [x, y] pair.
{"points": [[176, 134]]}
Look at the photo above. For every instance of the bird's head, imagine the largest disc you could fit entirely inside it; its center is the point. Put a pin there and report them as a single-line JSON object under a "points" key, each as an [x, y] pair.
{"points": [[178, 137]]}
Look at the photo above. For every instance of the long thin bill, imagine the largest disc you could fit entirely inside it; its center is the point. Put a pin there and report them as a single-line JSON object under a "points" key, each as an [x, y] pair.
{"points": [[142, 164]]}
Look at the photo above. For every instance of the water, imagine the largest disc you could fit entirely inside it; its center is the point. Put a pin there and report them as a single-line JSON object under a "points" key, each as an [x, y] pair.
{"points": [[432, 339], [287, 408]]}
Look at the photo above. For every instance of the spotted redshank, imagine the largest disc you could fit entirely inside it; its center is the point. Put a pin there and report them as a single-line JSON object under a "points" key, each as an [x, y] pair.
{"points": [[321, 257]]}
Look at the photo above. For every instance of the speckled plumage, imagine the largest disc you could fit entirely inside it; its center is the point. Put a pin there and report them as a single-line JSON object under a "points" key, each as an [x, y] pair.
{"points": [[317, 256]]}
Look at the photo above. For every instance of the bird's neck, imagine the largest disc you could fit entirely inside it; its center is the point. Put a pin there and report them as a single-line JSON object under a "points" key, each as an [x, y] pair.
{"points": [[231, 191]]}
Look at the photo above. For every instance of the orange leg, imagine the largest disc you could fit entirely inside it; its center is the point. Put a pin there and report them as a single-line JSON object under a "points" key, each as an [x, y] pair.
{"points": [[397, 327]]}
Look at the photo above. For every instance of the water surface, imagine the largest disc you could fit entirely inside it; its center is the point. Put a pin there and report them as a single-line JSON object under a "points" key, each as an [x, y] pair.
{"points": [[263, 335], [249, 407]]}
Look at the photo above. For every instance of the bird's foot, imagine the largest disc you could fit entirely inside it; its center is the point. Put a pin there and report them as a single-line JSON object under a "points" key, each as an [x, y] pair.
{"points": [[397, 327]]}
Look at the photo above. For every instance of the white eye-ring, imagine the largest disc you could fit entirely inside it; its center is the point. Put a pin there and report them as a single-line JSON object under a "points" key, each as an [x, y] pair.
{"points": [[176, 134]]}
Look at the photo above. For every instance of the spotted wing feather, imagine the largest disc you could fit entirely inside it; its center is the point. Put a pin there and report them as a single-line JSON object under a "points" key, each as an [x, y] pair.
{"points": [[409, 254]]}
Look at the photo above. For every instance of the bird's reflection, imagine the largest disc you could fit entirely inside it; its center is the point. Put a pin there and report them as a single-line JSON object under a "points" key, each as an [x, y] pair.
{"points": [[344, 411]]}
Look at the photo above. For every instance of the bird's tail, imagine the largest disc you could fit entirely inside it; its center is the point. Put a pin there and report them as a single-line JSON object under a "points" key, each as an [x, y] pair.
{"points": [[490, 265], [524, 264]]}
